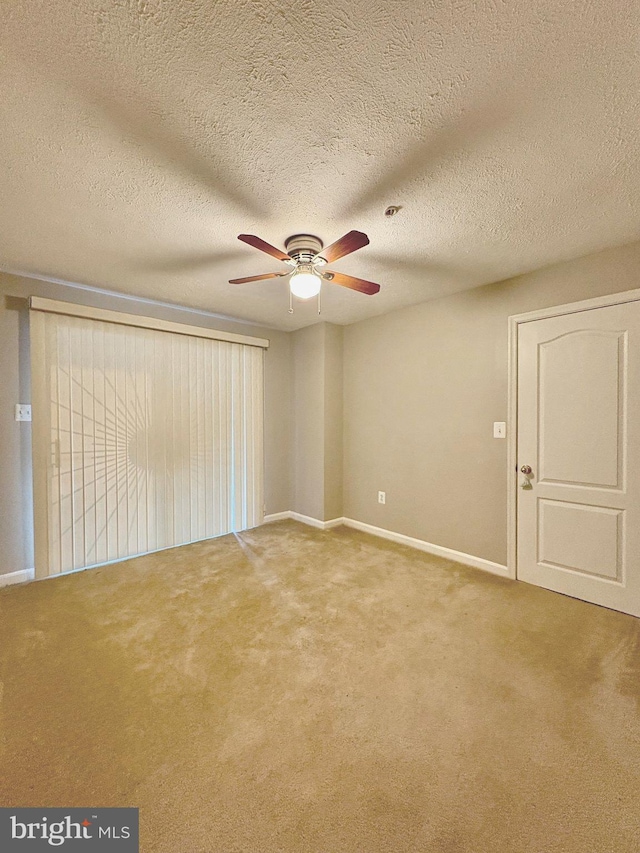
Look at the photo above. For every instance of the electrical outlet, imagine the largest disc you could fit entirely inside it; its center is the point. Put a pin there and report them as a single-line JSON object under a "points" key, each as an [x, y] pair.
{"points": [[23, 412], [499, 429], [382, 497]]}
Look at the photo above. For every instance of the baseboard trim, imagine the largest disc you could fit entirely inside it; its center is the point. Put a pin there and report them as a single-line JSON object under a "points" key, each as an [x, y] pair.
{"points": [[17, 577], [276, 516], [429, 547], [305, 519], [400, 538], [420, 544], [315, 522]]}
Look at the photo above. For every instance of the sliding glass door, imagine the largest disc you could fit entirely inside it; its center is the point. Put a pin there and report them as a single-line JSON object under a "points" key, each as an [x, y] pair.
{"points": [[143, 439]]}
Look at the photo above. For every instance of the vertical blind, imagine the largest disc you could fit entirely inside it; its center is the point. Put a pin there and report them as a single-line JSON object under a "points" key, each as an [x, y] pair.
{"points": [[148, 439]]}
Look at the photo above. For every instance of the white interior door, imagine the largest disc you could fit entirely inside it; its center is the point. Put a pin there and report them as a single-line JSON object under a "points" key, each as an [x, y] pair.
{"points": [[579, 432]]}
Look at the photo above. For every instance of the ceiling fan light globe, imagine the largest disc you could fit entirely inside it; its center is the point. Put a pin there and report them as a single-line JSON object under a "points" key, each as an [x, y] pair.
{"points": [[304, 285]]}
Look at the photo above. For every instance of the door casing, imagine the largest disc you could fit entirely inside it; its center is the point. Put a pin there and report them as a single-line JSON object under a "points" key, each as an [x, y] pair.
{"points": [[512, 404]]}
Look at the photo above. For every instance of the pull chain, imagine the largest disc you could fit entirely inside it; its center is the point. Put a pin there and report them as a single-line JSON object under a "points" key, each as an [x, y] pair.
{"points": [[290, 302]]}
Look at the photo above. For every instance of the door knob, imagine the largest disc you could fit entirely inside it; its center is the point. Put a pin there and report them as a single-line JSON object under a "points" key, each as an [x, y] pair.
{"points": [[528, 473]]}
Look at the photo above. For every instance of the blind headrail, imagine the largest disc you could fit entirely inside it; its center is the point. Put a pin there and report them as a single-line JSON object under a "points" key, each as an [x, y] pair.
{"points": [[72, 309]]}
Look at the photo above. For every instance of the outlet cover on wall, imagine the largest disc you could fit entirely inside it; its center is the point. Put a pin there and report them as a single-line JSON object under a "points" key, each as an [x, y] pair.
{"points": [[23, 412], [499, 429], [382, 497]]}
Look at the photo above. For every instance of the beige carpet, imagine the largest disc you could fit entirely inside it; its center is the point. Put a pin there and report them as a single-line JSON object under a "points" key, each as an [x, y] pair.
{"points": [[298, 690]]}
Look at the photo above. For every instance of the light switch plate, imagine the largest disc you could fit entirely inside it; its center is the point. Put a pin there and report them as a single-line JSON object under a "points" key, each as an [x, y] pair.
{"points": [[499, 429], [23, 412]]}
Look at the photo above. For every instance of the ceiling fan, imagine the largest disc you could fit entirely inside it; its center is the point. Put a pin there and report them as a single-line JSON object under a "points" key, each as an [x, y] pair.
{"points": [[308, 258]]}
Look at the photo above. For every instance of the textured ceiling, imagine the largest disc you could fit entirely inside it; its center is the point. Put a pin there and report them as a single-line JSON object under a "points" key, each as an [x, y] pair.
{"points": [[139, 137]]}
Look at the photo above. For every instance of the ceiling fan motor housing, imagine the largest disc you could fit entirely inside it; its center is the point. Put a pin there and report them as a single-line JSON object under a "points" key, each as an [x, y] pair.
{"points": [[303, 247]]}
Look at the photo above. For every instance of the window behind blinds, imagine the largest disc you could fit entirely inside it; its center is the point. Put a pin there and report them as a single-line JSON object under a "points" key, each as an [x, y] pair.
{"points": [[143, 439]]}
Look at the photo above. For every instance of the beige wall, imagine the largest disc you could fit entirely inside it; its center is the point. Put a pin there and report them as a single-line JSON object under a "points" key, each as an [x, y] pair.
{"points": [[413, 402], [308, 395], [317, 394], [333, 420], [16, 534], [422, 388]]}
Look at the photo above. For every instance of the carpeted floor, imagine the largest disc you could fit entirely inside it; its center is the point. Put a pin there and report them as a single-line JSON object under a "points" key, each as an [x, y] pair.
{"points": [[298, 690]]}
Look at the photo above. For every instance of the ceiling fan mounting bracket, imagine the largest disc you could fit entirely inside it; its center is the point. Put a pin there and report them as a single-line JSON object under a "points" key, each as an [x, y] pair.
{"points": [[303, 247]]}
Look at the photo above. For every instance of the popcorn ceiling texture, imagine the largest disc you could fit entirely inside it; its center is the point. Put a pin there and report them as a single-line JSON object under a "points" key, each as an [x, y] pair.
{"points": [[139, 138]]}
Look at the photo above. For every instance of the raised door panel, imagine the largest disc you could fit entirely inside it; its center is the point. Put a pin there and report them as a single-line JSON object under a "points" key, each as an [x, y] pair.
{"points": [[579, 538], [581, 381]]}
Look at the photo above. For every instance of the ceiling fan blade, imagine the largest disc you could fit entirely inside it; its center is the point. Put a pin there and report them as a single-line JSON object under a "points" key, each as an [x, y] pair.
{"points": [[368, 287], [257, 243], [257, 277], [344, 246]]}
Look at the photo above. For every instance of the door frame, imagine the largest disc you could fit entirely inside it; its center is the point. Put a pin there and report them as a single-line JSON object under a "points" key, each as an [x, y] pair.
{"points": [[512, 403]]}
